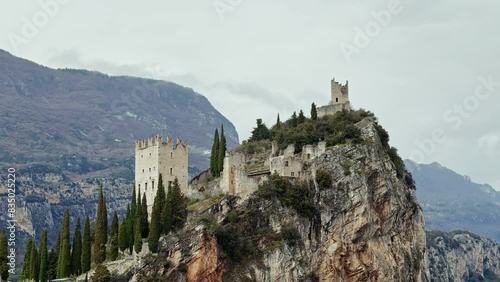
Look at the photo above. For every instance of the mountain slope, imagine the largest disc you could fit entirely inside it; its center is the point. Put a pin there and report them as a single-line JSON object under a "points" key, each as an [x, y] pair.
{"points": [[451, 201], [68, 131]]}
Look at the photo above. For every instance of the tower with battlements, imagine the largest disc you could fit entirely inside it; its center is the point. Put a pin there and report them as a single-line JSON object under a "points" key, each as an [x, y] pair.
{"points": [[339, 99], [157, 155]]}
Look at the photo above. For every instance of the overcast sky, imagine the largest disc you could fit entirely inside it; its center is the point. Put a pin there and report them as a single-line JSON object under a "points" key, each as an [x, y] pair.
{"points": [[427, 69]]}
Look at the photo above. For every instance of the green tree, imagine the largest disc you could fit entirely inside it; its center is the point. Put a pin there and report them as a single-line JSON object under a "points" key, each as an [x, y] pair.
{"points": [[130, 219], [113, 235], [129, 224], [261, 132], [101, 274], [122, 236], [293, 120], [215, 154], [76, 250], [301, 118], [137, 232], [278, 122], [314, 112], [4, 268], [64, 260], [179, 206], [156, 226], [25, 272], [58, 244], [86, 246], [222, 151], [44, 257], [101, 230], [34, 264], [144, 217], [168, 211], [52, 265]]}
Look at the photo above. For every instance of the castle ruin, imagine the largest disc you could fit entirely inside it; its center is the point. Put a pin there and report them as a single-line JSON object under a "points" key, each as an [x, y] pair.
{"points": [[339, 99], [155, 156]]}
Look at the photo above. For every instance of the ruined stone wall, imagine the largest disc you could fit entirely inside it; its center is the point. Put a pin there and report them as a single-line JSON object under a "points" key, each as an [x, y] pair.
{"points": [[332, 109]]}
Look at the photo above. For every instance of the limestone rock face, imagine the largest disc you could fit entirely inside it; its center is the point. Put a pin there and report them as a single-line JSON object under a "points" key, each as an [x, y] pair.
{"points": [[462, 256], [366, 226]]}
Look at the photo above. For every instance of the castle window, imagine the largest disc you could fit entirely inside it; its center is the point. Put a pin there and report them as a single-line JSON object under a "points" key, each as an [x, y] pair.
{"points": [[146, 186], [169, 184], [308, 156], [153, 184], [293, 173], [286, 163], [154, 168], [150, 154], [171, 171], [142, 170], [142, 156], [171, 155], [337, 100], [139, 187], [149, 169]]}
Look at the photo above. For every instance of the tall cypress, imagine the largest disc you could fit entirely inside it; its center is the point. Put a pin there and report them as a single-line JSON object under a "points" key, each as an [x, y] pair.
{"points": [[25, 272], [52, 265], [129, 233], [113, 235], [168, 212], [64, 260], [144, 217], [4, 268], [76, 250], [179, 206], [137, 231], [122, 235], [215, 154], [101, 230], [44, 257], [86, 246], [314, 112], [34, 264], [156, 226], [130, 219], [221, 152]]}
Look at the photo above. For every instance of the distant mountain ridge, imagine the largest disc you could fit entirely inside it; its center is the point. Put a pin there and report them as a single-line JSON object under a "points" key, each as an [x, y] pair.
{"points": [[451, 201], [68, 131]]}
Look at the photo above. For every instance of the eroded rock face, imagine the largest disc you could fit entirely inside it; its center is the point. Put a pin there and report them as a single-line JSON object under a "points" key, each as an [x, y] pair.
{"points": [[365, 226], [462, 256]]}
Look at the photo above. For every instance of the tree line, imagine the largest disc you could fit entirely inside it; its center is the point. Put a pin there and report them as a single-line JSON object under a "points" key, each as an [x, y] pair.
{"points": [[99, 242]]}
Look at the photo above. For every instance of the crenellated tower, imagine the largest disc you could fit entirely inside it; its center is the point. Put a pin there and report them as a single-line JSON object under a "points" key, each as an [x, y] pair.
{"points": [[157, 155]]}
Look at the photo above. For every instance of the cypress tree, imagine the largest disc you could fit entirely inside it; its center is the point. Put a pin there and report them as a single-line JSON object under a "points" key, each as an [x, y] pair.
{"points": [[168, 212], [34, 264], [294, 119], [76, 250], [86, 246], [25, 272], [278, 122], [221, 152], [52, 265], [314, 112], [130, 219], [156, 228], [179, 208], [58, 244], [137, 232], [113, 241], [301, 118], [64, 260], [122, 236], [130, 230], [44, 257], [101, 230], [4, 268], [144, 217], [215, 154]]}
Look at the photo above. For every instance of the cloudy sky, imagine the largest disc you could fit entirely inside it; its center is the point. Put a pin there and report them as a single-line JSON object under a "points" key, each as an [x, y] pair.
{"points": [[428, 69]]}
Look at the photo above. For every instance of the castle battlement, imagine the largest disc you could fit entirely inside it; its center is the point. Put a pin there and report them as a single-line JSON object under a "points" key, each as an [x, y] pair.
{"points": [[158, 140]]}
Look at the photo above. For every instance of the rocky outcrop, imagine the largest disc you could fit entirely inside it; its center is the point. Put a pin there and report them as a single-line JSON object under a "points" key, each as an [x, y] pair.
{"points": [[462, 256], [359, 223]]}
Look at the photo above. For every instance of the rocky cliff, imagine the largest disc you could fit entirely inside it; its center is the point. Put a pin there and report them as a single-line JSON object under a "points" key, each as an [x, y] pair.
{"points": [[354, 219], [462, 256]]}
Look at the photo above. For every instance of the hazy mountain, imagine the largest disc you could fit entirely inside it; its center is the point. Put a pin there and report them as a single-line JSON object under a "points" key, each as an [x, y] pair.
{"points": [[68, 131], [451, 201]]}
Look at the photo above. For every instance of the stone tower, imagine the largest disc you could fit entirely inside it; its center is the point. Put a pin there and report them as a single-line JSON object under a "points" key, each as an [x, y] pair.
{"points": [[154, 156], [340, 93], [339, 101]]}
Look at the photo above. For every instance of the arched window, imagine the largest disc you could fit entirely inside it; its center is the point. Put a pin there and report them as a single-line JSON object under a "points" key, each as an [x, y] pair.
{"points": [[286, 163]]}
